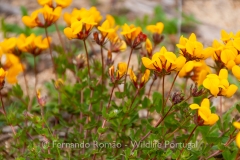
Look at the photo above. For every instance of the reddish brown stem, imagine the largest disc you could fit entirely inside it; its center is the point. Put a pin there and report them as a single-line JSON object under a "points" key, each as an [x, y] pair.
{"points": [[85, 46], [50, 51], [60, 37]]}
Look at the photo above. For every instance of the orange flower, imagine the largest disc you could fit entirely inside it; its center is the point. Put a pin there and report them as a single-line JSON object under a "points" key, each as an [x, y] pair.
{"points": [[42, 17]]}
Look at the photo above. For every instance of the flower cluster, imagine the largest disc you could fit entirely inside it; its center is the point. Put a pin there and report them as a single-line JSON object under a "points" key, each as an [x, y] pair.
{"points": [[218, 85], [227, 53], [9, 61], [42, 17], [32, 44]]}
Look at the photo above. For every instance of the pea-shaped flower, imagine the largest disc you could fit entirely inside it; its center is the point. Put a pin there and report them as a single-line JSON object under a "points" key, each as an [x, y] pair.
{"points": [[237, 126], [218, 85], [139, 82], [164, 61], [122, 69], [55, 3], [32, 44], [42, 17], [205, 117]]}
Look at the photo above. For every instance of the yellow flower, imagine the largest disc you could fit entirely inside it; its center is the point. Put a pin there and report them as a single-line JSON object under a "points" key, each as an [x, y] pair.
{"points": [[55, 3], [133, 35], [205, 113], [148, 45], [219, 85], [132, 77], [32, 44], [2, 76], [158, 28], [42, 17], [80, 29], [197, 71], [218, 47], [8, 45], [41, 99], [227, 54], [225, 37], [145, 77], [236, 71], [128, 31], [139, 83], [116, 44], [111, 20], [164, 60], [105, 28], [58, 83], [122, 69], [192, 49], [237, 125], [82, 13], [12, 65]]}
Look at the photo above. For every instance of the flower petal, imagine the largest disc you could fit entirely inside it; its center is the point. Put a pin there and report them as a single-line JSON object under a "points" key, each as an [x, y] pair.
{"points": [[205, 103], [194, 106]]}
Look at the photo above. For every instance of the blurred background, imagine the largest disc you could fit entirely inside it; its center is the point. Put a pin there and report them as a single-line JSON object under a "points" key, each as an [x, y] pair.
{"points": [[204, 17]]}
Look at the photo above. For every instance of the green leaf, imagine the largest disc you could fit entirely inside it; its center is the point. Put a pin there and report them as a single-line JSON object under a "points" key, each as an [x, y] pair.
{"points": [[157, 101], [238, 107], [146, 102], [229, 155], [120, 95]]}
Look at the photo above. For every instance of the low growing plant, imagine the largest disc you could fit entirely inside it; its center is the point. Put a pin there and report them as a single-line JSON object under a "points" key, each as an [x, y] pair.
{"points": [[109, 110]]}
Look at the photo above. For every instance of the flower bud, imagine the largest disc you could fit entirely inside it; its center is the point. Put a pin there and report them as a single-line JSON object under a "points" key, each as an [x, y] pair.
{"points": [[195, 92], [157, 38], [41, 100], [58, 83], [177, 97]]}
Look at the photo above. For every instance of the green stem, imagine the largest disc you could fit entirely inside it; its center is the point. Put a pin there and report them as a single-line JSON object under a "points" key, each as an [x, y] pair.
{"points": [[156, 125], [187, 141], [135, 96], [5, 113], [109, 102]]}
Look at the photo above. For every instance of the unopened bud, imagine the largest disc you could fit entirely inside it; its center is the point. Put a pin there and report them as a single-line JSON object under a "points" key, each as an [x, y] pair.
{"points": [[58, 83], [109, 58], [196, 92], [111, 72], [96, 37], [177, 97], [139, 39], [80, 61], [157, 38], [41, 100]]}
